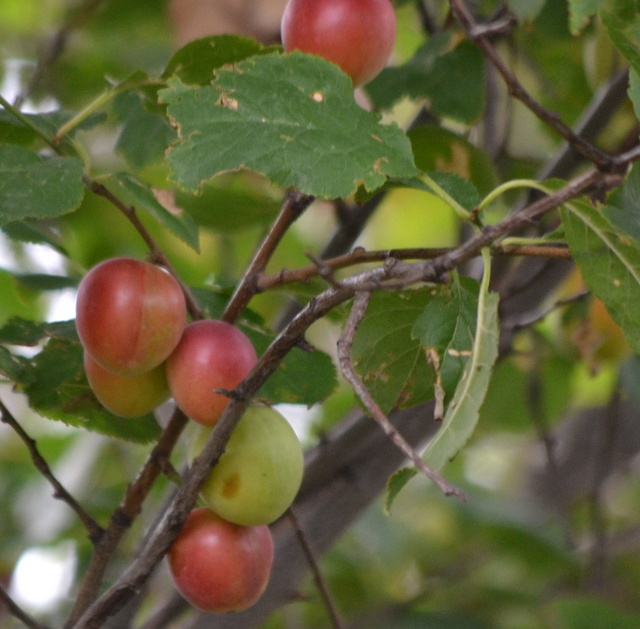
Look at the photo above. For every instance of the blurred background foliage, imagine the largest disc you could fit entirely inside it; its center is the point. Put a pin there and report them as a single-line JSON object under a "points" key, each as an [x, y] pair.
{"points": [[542, 542]]}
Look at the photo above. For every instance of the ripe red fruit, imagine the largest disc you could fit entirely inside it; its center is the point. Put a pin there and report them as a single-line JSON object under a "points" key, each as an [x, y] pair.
{"points": [[212, 354], [127, 396], [357, 35], [129, 315], [218, 566]]}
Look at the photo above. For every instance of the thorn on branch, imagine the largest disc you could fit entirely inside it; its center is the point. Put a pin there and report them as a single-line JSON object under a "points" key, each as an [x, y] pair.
{"points": [[232, 394]]}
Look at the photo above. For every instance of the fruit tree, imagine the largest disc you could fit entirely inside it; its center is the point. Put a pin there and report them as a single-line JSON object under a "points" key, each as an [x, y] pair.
{"points": [[320, 313]]}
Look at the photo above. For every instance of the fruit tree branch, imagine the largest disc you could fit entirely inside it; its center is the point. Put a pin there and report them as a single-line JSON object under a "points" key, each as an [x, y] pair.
{"points": [[94, 529], [477, 33], [312, 560], [123, 517], [345, 342], [295, 204], [17, 612], [361, 256]]}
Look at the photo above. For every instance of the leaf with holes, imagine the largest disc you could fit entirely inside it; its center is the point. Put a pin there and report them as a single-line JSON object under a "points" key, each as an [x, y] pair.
{"points": [[391, 363], [292, 118]]}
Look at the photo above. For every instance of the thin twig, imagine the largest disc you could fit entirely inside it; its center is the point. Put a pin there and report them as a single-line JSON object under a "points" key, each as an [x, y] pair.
{"points": [[478, 34], [17, 612], [345, 342], [123, 517], [361, 256], [321, 584], [295, 204], [155, 252], [94, 529], [374, 279]]}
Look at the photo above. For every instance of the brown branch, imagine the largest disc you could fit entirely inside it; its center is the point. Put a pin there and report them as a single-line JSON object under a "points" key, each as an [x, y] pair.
{"points": [[128, 584], [94, 529], [312, 561], [123, 517], [361, 256], [17, 612], [402, 273], [535, 251], [478, 34], [295, 204], [345, 342]]}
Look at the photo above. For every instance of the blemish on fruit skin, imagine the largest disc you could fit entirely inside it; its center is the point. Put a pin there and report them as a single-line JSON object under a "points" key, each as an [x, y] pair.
{"points": [[231, 486]]}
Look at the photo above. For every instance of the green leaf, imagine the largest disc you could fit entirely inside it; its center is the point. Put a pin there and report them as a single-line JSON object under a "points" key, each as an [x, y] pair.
{"points": [[19, 331], [438, 149], [32, 232], [460, 190], [176, 220], [12, 366], [624, 204], [453, 82], [526, 9], [464, 409], [580, 11], [389, 361], [232, 202], [32, 187], [145, 135], [44, 282], [622, 19], [196, 62], [609, 259], [303, 377], [409, 79], [56, 387], [290, 117], [395, 484], [448, 325], [14, 131], [587, 612]]}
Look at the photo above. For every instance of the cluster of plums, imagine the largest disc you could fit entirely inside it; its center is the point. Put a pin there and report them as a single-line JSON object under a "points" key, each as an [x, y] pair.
{"points": [[139, 350]]}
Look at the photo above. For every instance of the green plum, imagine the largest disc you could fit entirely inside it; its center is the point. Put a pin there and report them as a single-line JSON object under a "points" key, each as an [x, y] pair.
{"points": [[260, 471]]}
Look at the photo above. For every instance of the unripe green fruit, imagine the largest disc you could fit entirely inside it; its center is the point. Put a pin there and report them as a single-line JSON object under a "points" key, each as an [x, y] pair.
{"points": [[260, 471], [127, 396]]}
